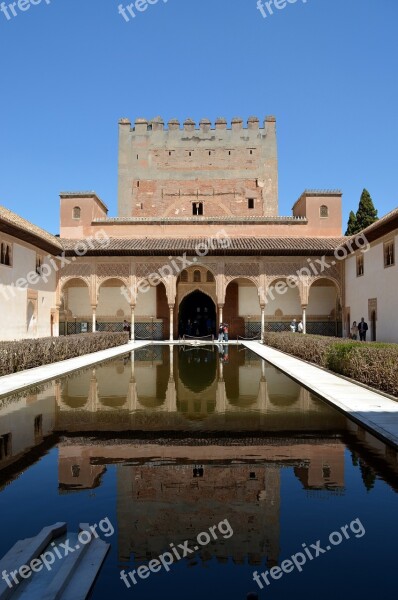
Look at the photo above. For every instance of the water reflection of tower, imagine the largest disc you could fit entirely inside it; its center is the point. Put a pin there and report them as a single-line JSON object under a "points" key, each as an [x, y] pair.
{"points": [[160, 504]]}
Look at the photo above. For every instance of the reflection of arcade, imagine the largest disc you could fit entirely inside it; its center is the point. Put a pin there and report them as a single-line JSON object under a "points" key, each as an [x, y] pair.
{"points": [[180, 388]]}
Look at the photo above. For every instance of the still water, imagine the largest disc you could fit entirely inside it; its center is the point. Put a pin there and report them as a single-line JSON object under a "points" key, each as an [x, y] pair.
{"points": [[212, 447]]}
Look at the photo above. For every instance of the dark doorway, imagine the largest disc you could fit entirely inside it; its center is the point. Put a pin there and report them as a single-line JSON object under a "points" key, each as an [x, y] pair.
{"points": [[373, 326], [197, 315]]}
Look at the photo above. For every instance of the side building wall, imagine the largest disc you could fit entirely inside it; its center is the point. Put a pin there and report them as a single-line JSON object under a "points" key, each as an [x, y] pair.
{"points": [[374, 294], [27, 301]]}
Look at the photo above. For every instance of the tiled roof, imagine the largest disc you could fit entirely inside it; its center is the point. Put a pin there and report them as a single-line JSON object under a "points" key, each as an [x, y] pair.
{"points": [[378, 229], [19, 227], [229, 246]]}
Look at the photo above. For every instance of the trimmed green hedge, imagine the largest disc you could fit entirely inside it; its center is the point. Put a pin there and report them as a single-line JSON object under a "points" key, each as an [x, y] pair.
{"points": [[373, 364], [26, 354]]}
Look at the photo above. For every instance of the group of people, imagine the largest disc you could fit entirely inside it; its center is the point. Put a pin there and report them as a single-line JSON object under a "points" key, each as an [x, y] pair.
{"points": [[359, 330], [296, 327], [223, 333]]}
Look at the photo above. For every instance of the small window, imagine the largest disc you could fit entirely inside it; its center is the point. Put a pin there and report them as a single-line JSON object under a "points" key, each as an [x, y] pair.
{"points": [[138, 184], [169, 152], [197, 208], [38, 426], [209, 152], [209, 277], [5, 446], [137, 157], [196, 277], [324, 212], [76, 213], [5, 254], [190, 153], [75, 470], [39, 263], [251, 151], [360, 265], [250, 203], [229, 152], [184, 276], [389, 254]]}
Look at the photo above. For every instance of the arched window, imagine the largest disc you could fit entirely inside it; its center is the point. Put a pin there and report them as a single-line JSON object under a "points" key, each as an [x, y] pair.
{"points": [[209, 277], [324, 211], [184, 276], [196, 276], [76, 212]]}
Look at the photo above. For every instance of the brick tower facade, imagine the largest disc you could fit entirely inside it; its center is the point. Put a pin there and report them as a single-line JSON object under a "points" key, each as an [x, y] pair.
{"points": [[214, 172]]}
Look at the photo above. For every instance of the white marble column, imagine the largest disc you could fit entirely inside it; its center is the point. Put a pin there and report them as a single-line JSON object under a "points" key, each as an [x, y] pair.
{"points": [[304, 319], [171, 307], [262, 323], [94, 312]]}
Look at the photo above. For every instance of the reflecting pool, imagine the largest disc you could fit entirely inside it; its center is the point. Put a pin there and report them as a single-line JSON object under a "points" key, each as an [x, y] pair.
{"points": [[204, 447]]}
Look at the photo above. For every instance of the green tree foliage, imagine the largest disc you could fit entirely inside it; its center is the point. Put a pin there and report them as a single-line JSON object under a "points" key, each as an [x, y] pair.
{"points": [[366, 215], [352, 224]]}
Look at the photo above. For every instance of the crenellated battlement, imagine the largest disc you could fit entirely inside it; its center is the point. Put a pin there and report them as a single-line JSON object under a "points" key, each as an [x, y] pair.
{"points": [[143, 126]]}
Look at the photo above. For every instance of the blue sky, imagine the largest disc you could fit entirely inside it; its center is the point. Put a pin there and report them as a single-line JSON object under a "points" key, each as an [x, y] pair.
{"points": [[327, 69]]}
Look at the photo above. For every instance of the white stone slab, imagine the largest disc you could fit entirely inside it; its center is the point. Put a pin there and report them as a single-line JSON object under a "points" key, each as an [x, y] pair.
{"points": [[23, 379], [375, 411]]}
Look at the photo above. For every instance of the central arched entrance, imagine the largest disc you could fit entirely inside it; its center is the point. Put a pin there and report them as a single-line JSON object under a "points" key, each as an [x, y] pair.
{"points": [[197, 315]]}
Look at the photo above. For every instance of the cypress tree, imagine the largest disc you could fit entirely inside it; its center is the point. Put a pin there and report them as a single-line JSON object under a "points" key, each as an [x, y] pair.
{"points": [[352, 225], [366, 213]]}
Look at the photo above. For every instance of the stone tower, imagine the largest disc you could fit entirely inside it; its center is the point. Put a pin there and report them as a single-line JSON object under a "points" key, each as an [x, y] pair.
{"points": [[210, 172]]}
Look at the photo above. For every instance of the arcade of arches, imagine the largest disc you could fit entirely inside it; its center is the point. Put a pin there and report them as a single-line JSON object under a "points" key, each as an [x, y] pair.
{"points": [[250, 297]]}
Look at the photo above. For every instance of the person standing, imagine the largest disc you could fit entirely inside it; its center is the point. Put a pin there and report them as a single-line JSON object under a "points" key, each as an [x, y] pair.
{"points": [[293, 326], [354, 331], [362, 328], [221, 333], [226, 332], [300, 327]]}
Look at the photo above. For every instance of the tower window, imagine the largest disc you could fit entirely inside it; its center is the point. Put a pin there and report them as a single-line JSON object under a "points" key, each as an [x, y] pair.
{"points": [[197, 208], [250, 203], [138, 184], [76, 213], [324, 212]]}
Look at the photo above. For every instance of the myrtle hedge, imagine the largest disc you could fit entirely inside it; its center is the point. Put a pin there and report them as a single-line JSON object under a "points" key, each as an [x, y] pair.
{"points": [[26, 354], [373, 364]]}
